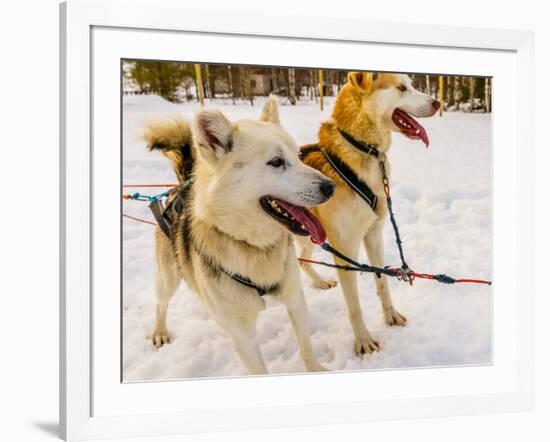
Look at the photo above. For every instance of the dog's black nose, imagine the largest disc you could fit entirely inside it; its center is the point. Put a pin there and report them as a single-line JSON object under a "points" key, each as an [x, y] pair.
{"points": [[436, 104], [327, 188]]}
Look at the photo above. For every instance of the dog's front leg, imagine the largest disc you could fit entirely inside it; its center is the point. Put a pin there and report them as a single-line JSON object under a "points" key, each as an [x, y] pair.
{"points": [[246, 346], [374, 245], [364, 343], [292, 296], [239, 322], [297, 312]]}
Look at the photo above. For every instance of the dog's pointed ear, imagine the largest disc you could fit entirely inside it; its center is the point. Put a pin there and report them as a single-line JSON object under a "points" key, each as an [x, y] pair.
{"points": [[270, 113], [362, 81], [212, 134]]}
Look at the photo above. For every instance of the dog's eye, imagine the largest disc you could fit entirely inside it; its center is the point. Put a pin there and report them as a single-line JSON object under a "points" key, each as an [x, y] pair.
{"points": [[402, 88], [276, 162]]}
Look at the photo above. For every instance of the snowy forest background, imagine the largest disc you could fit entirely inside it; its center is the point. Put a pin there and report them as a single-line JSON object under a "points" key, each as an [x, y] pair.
{"points": [[184, 82]]}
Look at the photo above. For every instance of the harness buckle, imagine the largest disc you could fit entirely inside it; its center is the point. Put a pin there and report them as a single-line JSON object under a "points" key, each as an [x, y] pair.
{"points": [[386, 184], [411, 276]]}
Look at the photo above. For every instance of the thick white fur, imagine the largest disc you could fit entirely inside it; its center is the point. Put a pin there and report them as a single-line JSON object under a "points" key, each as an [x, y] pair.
{"points": [[231, 174], [232, 187]]}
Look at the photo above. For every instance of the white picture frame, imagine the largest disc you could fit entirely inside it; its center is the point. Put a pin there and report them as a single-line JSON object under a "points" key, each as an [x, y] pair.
{"points": [[88, 410]]}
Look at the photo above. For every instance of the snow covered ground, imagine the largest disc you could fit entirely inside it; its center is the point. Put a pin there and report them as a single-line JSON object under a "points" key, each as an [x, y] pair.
{"points": [[442, 198]]}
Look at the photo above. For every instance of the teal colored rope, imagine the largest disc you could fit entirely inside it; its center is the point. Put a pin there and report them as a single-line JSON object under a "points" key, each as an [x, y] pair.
{"points": [[151, 199]]}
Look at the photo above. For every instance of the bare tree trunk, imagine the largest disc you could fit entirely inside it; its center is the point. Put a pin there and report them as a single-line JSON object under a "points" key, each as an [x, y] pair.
{"points": [[245, 84], [200, 90], [292, 86], [274, 80], [472, 90], [450, 91], [312, 95], [428, 91], [230, 83], [457, 91], [321, 89], [207, 91], [299, 85], [441, 95], [487, 96], [187, 91], [242, 92]]}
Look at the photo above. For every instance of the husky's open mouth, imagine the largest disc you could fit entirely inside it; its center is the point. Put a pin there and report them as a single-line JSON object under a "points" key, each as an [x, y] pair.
{"points": [[298, 220], [409, 126]]}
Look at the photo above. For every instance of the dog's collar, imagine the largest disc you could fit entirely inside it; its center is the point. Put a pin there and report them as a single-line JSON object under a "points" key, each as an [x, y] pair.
{"points": [[369, 149], [243, 280], [262, 290]]}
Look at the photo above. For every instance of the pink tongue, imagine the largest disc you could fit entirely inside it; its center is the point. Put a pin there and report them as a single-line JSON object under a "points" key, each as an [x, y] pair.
{"points": [[305, 217], [415, 126], [423, 135]]}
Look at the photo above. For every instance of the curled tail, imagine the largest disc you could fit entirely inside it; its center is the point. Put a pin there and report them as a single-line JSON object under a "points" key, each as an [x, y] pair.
{"points": [[173, 138]]}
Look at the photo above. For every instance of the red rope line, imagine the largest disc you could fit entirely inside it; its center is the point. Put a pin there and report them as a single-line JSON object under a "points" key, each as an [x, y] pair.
{"points": [[416, 275], [308, 260], [139, 219], [428, 276], [475, 281]]}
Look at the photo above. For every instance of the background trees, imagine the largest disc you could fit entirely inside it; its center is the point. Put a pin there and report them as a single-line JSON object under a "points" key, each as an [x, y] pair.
{"points": [[459, 93], [164, 79], [179, 82]]}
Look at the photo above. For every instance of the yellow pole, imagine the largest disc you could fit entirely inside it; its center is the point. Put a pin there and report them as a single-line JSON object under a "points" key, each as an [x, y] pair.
{"points": [[321, 88], [441, 96], [198, 75]]}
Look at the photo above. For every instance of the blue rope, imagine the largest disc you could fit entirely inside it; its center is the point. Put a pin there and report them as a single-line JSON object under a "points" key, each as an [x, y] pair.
{"points": [[151, 199]]}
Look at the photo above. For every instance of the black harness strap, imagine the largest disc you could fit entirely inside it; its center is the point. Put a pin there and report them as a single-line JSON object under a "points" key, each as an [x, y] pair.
{"points": [[166, 216], [262, 290], [346, 173], [157, 208], [350, 177], [243, 280], [369, 149]]}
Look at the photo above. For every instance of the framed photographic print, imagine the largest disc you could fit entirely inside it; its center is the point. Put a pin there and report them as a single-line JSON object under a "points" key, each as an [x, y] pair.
{"points": [[312, 227]]}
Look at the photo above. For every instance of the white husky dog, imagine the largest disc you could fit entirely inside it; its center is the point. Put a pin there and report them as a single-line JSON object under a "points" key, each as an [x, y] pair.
{"points": [[232, 241]]}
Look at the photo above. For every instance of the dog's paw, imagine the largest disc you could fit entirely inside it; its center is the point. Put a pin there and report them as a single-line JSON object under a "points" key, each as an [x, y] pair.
{"points": [[160, 338], [393, 317], [365, 345], [325, 284]]}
